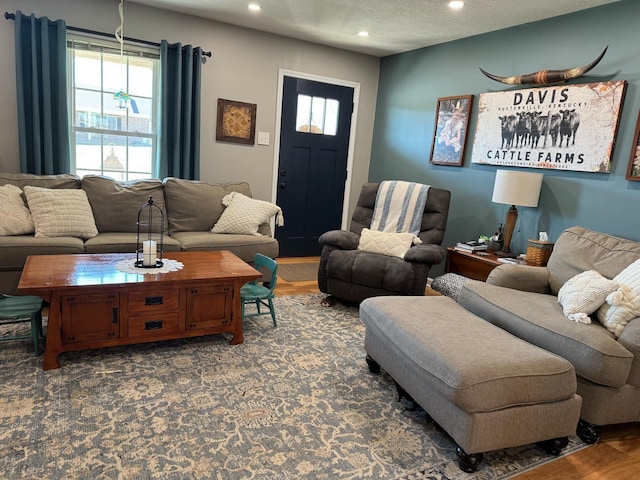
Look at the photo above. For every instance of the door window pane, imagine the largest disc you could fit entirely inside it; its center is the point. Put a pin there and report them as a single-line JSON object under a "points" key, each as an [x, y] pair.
{"points": [[303, 113], [331, 117], [317, 115]]}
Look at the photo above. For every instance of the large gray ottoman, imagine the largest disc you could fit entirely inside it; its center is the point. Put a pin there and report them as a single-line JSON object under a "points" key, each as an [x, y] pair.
{"points": [[486, 388]]}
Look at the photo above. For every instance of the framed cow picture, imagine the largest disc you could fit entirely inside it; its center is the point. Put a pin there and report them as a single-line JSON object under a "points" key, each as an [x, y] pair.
{"points": [[567, 127], [450, 130]]}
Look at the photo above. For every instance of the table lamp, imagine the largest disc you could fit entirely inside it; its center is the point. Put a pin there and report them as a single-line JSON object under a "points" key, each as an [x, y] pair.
{"points": [[515, 188]]}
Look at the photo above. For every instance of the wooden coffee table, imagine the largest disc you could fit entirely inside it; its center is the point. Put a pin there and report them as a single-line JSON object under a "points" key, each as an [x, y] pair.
{"points": [[94, 305]]}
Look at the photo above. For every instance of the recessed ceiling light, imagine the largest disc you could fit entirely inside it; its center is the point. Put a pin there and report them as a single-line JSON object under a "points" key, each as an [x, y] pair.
{"points": [[363, 33], [254, 7], [456, 4]]}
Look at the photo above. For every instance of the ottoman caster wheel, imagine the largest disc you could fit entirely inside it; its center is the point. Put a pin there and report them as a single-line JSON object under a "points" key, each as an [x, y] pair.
{"points": [[554, 446], [468, 462], [374, 367], [402, 393], [588, 432]]}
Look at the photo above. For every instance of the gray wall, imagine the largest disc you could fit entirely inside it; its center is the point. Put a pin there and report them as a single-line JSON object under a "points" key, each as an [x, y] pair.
{"points": [[411, 83], [244, 67]]}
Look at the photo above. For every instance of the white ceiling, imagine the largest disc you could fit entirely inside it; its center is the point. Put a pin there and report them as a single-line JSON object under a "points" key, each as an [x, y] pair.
{"points": [[395, 26]]}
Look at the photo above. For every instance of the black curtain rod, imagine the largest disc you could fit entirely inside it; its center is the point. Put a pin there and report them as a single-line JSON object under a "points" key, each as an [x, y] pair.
{"points": [[11, 16]]}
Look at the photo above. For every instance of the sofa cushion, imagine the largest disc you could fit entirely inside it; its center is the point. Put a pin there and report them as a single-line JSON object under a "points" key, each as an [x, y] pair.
{"points": [[243, 246], [194, 206], [60, 212], [350, 269], [583, 294], [624, 305], [15, 249], [15, 217], [123, 242], [244, 215], [537, 318], [65, 180], [116, 204], [579, 249]]}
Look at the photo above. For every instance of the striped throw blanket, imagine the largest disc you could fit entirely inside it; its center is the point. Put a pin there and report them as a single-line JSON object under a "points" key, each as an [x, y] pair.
{"points": [[399, 207]]}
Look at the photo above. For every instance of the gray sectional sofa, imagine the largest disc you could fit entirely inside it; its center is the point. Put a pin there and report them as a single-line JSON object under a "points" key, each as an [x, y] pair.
{"points": [[191, 209], [533, 354], [523, 300]]}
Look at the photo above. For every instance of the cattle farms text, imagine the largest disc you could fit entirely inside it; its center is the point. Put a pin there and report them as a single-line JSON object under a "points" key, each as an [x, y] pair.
{"points": [[570, 127]]}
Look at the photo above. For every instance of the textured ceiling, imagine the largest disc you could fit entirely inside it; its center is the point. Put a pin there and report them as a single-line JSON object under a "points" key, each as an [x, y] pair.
{"points": [[395, 26]]}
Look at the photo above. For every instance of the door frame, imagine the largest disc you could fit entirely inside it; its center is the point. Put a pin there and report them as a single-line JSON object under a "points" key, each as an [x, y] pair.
{"points": [[352, 132]]}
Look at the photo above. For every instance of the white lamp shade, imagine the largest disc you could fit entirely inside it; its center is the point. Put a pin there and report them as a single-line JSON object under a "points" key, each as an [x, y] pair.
{"points": [[517, 188]]}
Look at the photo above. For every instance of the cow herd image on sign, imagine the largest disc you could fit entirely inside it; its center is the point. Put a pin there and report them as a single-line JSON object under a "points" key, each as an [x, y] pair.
{"points": [[567, 127]]}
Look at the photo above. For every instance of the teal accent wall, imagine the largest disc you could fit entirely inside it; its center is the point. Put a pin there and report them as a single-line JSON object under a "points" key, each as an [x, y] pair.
{"points": [[411, 83]]}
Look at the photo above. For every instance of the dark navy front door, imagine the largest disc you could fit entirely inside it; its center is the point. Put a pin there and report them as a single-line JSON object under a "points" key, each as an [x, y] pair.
{"points": [[314, 145]]}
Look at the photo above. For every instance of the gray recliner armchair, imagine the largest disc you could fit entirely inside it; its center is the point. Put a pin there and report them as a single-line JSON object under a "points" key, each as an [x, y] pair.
{"points": [[352, 275]]}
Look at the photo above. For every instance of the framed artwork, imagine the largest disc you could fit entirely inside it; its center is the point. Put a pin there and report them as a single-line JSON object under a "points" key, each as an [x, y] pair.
{"points": [[236, 122], [450, 130], [633, 170], [566, 127]]}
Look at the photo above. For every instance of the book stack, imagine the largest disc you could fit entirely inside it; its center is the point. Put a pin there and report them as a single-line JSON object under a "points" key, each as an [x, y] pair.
{"points": [[472, 247]]}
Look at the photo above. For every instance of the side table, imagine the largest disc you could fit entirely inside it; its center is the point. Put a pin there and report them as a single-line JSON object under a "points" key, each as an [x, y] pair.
{"points": [[471, 265]]}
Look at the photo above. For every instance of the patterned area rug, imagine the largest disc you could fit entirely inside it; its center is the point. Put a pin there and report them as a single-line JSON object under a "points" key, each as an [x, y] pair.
{"points": [[291, 402]]}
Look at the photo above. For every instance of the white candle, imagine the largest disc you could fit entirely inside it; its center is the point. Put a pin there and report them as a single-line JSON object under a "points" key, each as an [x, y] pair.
{"points": [[148, 253]]}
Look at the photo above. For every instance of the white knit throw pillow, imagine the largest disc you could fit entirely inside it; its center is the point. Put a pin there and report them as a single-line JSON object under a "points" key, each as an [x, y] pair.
{"points": [[61, 212], [624, 304], [583, 294], [244, 215], [15, 217], [386, 243]]}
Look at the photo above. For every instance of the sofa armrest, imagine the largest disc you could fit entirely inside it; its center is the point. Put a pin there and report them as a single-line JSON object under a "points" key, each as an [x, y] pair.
{"points": [[521, 277], [425, 253], [341, 239], [630, 339], [265, 230]]}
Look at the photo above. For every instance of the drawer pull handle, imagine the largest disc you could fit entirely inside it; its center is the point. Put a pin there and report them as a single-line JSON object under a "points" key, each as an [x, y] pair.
{"points": [[153, 325], [157, 300]]}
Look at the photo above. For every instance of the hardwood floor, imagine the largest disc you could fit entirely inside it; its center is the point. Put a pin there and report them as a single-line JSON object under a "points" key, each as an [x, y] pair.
{"points": [[284, 288], [615, 457]]}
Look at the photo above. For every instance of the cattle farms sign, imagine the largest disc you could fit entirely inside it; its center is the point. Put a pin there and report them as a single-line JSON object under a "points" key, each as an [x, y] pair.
{"points": [[568, 127]]}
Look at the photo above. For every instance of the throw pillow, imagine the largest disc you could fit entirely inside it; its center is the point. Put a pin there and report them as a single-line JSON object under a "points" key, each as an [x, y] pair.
{"points": [[450, 284], [623, 305], [583, 294], [61, 212], [244, 215], [15, 218], [386, 243]]}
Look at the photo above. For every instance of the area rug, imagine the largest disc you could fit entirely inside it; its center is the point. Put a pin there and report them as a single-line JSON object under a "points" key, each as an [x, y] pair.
{"points": [[292, 402], [298, 272]]}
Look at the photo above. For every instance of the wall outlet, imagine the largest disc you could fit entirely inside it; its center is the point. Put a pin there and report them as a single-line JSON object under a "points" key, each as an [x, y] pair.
{"points": [[263, 138]]}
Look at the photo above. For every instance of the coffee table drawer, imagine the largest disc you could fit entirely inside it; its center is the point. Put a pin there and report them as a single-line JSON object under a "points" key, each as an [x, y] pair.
{"points": [[152, 325], [148, 301]]}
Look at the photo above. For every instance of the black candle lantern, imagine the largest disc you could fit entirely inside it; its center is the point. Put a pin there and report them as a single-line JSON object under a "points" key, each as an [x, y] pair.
{"points": [[149, 237]]}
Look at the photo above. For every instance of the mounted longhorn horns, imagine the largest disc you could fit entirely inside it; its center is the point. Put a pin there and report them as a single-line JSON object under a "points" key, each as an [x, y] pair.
{"points": [[546, 77]]}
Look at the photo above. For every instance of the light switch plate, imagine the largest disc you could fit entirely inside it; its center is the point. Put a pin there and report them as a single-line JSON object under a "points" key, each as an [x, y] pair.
{"points": [[263, 138]]}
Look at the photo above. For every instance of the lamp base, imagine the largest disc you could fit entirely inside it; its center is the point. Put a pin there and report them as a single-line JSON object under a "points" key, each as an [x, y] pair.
{"points": [[502, 254], [509, 225]]}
